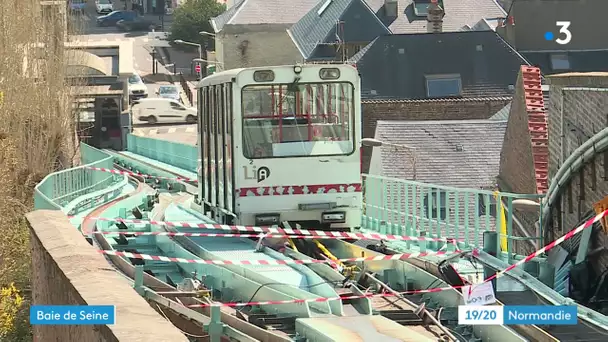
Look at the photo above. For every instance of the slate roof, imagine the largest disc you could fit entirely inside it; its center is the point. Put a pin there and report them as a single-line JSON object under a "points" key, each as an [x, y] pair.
{"points": [[580, 61], [313, 30], [503, 114], [437, 158], [247, 12], [458, 13], [411, 57]]}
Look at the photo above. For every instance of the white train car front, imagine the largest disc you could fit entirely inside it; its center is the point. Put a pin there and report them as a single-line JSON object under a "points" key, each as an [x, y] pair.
{"points": [[298, 158]]}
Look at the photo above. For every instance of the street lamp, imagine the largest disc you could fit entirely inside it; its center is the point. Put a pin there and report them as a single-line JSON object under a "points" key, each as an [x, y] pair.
{"points": [[200, 48], [371, 142], [200, 52], [205, 33]]}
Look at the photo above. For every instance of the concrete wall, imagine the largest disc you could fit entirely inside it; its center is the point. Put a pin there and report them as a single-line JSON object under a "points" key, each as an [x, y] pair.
{"points": [[239, 46], [66, 270], [372, 111]]}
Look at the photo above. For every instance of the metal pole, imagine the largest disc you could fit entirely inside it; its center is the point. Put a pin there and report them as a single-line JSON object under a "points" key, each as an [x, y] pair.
{"points": [[215, 327], [200, 56], [138, 279], [490, 240]]}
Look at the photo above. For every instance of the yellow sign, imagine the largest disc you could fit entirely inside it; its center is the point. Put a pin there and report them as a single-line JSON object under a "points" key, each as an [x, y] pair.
{"points": [[503, 222]]}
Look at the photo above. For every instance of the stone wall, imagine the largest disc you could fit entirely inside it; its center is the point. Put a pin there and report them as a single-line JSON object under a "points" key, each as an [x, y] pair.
{"points": [[579, 101], [241, 46], [66, 270]]}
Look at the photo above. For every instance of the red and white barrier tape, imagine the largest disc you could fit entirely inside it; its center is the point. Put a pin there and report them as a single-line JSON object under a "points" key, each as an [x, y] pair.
{"points": [[270, 236], [281, 231], [272, 262], [130, 173], [545, 249]]}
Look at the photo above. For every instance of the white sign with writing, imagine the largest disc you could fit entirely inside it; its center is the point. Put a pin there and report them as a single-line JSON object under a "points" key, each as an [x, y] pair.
{"points": [[479, 294]]}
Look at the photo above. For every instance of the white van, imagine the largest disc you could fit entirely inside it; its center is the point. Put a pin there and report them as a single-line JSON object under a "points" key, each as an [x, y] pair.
{"points": [[159, 110]]}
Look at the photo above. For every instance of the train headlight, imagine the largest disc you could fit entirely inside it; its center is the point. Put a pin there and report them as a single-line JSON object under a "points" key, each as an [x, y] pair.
{"points": [[297, 69], [334, 217], [329, 73], [267, 219], [263, 76]]}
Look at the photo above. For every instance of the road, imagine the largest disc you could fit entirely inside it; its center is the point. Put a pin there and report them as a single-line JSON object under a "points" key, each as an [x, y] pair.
{"points": [[142, 59]]}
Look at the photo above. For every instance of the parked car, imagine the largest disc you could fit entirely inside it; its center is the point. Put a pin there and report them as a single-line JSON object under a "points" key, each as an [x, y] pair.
{"points": [[137, 88], [113, 17], [136, 24], [169, 92], [104, 6], [77, 6], [159, 110]]}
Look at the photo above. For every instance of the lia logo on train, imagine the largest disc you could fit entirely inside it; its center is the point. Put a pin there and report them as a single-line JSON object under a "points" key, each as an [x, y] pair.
{"points": [[258, 174]]}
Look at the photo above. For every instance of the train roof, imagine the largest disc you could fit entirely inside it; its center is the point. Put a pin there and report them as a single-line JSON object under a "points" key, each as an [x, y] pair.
{"points": [[219, 77], [228, 75]]}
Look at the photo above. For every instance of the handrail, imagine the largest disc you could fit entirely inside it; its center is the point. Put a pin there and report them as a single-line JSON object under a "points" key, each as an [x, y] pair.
{"points": [[407, 207], [60, 188]]}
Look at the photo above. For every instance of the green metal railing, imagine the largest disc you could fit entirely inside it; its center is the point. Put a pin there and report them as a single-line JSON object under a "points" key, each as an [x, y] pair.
{"points": [[179, 155], [58, 189], [403, 207]]}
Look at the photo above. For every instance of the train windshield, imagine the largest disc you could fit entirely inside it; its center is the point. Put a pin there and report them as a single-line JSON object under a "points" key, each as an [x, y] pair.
{"points": [[298, 120]]}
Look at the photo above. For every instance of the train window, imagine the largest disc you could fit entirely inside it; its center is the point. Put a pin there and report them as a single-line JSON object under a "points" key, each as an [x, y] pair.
{"points": [[308, 119]]}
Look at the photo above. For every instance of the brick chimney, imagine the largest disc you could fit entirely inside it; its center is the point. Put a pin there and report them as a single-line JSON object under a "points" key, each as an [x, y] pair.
{"points": [[435, 17], [391, 8]]}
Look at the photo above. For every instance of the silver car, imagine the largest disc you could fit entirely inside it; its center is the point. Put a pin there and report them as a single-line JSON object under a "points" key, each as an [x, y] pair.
{"points": [[169, 92]]}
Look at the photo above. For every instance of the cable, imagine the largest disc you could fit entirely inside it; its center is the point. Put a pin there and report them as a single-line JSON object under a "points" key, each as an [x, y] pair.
{"points": [[269, 284], [183, 332]]}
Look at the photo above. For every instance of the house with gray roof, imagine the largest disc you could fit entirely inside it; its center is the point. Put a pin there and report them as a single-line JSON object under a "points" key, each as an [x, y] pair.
{"points": [[482, 64], [253, 33], [463, 154], [422, 84], [336, 30], [410, 16]]}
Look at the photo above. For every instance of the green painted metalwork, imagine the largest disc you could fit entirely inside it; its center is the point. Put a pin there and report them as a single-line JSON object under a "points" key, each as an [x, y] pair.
{"points": [[179, 155], [404, 207], [58, 189]]}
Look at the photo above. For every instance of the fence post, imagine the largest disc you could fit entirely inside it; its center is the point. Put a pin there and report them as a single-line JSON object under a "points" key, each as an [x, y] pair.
{"points": [[490, 244]]}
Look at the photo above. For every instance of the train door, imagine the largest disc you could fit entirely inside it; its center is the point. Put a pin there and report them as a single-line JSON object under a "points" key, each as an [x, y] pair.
{"points": [[218, 158], [203, 111]]}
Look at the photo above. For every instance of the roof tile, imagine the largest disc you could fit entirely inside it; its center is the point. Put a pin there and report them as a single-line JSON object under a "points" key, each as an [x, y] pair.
{"points": [[438, 158]]}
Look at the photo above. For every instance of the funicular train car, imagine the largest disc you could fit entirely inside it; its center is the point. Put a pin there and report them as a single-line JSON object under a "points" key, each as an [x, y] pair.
{"points": [[281, 144]]}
